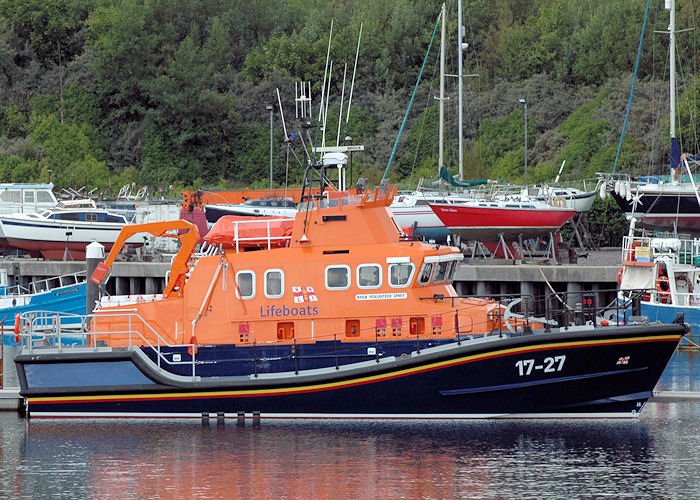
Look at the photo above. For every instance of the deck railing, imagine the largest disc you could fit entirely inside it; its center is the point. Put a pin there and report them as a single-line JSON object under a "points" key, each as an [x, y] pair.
{"points": [[41, 329]]}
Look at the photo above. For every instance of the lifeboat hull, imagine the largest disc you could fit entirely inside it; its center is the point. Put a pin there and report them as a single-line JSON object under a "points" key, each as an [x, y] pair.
{"points": [[602, 372]]}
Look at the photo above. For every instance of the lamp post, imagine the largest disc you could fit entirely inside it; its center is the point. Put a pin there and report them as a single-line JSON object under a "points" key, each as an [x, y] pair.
{"points": [[524, 103], [271, 110], [347, 140]]}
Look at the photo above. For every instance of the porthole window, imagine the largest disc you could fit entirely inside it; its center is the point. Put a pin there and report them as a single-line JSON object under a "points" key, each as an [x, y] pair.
{"points": [[338, 277], [425, 273], [274, 283], [400, 274], [369, 276], [246, 284]]}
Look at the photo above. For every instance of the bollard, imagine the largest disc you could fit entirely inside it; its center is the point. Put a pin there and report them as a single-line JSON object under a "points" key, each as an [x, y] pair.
{"points": [[94, 254]]}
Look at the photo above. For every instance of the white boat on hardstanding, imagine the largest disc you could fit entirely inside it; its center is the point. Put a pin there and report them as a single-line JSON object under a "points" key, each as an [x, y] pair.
{"points": [[64, 231], [261, 207]]}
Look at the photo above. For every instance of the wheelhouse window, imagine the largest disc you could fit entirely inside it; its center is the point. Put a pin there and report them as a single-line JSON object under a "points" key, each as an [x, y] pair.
{"points": [[338, 277], [369, 276], [441, 271], [245, 280], [274, 283], [452, 269], [400, 274], [425, 273]]}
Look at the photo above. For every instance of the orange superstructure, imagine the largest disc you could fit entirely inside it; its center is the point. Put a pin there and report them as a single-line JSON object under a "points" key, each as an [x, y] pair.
{"points": [[344, 274]]}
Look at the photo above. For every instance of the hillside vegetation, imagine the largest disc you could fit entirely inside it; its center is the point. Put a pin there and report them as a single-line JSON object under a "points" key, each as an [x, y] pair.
{"points": [[173, 93]]}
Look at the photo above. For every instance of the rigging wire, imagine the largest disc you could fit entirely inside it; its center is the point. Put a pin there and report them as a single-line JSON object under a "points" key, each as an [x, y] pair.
{"points": [[405, 117], [634, 79]]}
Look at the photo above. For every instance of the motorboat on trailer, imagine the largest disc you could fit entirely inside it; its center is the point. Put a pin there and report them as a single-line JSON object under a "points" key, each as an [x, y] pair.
{"points": [[348, 319]]}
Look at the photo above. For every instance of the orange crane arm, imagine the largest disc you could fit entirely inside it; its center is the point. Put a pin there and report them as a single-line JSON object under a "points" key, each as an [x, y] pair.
{"points": [[179, 267]]}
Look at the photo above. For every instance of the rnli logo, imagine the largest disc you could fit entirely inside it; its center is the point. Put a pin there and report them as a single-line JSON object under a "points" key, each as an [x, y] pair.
{"points": [[304, 294], [624, 360]]}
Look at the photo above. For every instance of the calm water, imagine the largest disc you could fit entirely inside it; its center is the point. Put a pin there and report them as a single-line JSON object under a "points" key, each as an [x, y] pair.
{"points": [[657, 456]]}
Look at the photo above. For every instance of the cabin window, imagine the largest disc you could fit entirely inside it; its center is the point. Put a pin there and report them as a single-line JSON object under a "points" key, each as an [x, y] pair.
{"points": [[352, 328], [369, 276], [91, 217], [43, 197], [113, 218], [246, 284], [285, 330], [69, 216], [11, 196], [425, 273], [337, 277], [29, 196], [274, 283], [400, 274], [441, 271]]}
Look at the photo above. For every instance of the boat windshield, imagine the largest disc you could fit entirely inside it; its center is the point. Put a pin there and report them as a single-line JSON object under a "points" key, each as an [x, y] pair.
{"points": [[350, 199]]}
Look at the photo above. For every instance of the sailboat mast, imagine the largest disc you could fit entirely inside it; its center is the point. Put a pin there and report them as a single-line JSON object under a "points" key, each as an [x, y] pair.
{"points": [[441, 147], [459, 84], [671, 7]]}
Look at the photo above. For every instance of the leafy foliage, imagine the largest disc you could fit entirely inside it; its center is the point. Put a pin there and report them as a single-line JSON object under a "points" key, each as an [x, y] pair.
{"points": [[168, 92]]}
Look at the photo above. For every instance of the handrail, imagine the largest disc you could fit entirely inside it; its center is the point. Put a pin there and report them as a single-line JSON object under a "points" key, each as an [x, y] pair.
{"points": [[41, 327]]}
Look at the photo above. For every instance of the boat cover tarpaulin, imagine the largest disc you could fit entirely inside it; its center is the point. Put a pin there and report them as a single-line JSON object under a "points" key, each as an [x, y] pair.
{"points": [[250, 232], [637, 278]]}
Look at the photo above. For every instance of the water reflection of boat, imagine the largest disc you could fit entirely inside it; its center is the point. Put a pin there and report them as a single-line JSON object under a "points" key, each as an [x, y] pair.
{"points": [[347, 320]]}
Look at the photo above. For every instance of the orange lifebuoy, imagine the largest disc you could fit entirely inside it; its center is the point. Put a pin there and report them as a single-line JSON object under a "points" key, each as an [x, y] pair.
{"points": [[17, 327], [663, 287], [619, 276]]}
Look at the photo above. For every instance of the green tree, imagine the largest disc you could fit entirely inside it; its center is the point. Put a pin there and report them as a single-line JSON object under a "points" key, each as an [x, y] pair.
{"points": [[52, 27]]}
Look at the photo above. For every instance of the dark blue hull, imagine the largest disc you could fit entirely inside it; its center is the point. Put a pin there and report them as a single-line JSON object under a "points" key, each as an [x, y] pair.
{"points": [[664, 211], [604, 372]]}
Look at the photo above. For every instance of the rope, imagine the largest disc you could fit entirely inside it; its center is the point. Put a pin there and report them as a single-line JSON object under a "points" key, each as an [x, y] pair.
{"points": [[405, 116], [634, 80], [553, 290]]}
